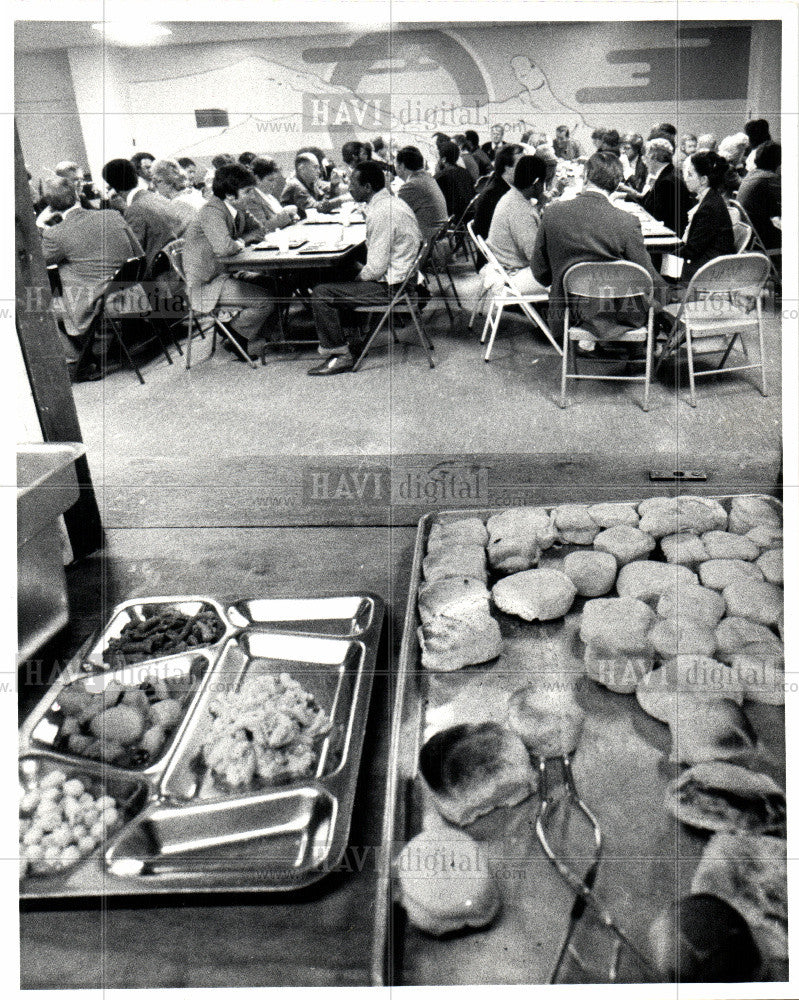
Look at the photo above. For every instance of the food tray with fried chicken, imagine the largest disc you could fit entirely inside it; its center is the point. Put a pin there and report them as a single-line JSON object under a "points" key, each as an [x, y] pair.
{"points": [[199, 745], [587, 769]]}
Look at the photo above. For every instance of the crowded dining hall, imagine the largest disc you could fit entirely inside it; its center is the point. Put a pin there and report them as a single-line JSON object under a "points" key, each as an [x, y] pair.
{"points": [[400, 502]]}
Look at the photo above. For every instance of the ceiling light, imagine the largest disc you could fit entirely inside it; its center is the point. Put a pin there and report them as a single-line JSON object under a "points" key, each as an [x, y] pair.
{"points": [[131, 32]]}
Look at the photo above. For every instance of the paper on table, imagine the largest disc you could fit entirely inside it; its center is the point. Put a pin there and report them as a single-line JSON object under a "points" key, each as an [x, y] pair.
{"points": [[671, 266]]}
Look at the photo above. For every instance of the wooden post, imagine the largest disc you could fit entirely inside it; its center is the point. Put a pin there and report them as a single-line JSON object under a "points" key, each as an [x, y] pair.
{"points": [[44, 361]]}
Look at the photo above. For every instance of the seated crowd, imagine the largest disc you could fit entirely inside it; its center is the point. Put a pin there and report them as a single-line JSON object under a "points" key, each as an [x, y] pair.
{"points": [[514, 194]]}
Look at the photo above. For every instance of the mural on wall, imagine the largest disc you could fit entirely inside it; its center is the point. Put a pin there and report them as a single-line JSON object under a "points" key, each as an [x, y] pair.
{"points": [[704, 64]]}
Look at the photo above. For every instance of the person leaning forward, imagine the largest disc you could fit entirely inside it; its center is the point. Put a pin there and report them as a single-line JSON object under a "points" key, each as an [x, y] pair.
{"points": [[393, 240], [220, 231]]}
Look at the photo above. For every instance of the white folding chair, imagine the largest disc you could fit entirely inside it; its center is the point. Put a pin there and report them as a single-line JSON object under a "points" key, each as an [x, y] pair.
{"points": [[607, 281], [722, 301], [742, 235], [403, 302], [758, 246], [219, 316], [508, 295]]}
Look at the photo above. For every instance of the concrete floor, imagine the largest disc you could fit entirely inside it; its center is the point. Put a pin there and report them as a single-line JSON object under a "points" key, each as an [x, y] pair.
{"points": [[396, 405]]}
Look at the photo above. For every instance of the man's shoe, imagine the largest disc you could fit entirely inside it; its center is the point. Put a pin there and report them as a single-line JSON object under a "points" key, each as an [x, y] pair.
{"points": [[255, 349], [334, 365]]}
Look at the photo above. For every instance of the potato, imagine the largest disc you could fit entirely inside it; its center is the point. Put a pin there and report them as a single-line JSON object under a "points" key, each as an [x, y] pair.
{"points": [[166, 713], [121, 724]]}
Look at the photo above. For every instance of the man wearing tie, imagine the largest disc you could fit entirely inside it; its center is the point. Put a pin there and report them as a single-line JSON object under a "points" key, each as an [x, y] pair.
{"points": [[491, 148]]}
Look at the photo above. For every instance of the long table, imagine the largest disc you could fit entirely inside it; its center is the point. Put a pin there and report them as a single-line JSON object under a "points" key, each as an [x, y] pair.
{"points": [[333, 244]]}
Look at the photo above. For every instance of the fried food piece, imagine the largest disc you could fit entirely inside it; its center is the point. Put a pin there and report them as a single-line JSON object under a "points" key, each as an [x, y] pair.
{"points": [[662, 516], [648, 581], [592, 573], [754, 599], [574, 524], [734, 633], [548, 720], [706, 730], [625, 543], [698, 603], [467, 531], [517, 537], [685, 548], [535, 595], [766, 536], [770, 565], [720, 573], [454, 561], [728, 545], [449, 643], [616, 626], [672, 637]]}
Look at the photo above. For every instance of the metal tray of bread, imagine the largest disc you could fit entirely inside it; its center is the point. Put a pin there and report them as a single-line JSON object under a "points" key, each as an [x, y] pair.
{"points": [[203, 815], [621, 766]]}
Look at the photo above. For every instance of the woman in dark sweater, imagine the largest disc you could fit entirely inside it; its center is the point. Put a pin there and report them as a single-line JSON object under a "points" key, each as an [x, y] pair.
{"points": [[709, 233], [498, 185]]}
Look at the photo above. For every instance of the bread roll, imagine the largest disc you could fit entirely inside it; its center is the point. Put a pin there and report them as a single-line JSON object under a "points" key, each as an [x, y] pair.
{"points": [[699, 603], [617, 626], [770, 565], [685, 548], [548, 720], [535, 595], [455, 561], [617, 673], [706, 730], [451, 643], [608, 515], [754, 599], [624, 543], [720, 796], [734, 633], [574, 524], [592, 573], [672, 637], [728, 545], [468, 531], [696, 677], [720, 573], [452, 598], [648, 581], [517, 537], [752, 512], [662, 516], [750, 872], [445, 882], [761, 668], [471, 769]]}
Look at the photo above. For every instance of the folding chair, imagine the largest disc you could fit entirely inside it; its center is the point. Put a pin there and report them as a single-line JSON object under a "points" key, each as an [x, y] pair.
{"points": [[758, 246], [160, 266], [123, 301], [437, 267], [508, 295], [723, 299], [457, 233], [616, 280], [403, 302], [218, 316], [742, 235]]}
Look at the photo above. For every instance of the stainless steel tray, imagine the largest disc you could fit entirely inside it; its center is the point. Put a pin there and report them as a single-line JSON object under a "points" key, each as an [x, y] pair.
{"points": [[189, 835], [621, 769]]}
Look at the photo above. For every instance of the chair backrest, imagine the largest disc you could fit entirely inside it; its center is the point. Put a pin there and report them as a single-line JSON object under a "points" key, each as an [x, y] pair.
{"points": [[174, 252], [55, 280], [607, 280], [742, 235], [131, 272], [440, 234], [421, 258], [473, 236], [744, 273], [468, 212]]}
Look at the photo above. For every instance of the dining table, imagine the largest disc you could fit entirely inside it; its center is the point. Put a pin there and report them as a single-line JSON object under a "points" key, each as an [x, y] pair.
{"points": [[320, 241]]}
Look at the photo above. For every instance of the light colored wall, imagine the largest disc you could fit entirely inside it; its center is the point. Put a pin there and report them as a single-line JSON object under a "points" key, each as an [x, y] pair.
{"points": [[283, 92]]}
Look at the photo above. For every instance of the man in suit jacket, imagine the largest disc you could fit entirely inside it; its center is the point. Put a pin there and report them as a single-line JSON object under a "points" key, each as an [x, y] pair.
{"points": [[220, 231], [454, 181], [263, 202], [480, 158], [89, 246], [491, 148], [590, 228], [148, 214], [665, 195]]}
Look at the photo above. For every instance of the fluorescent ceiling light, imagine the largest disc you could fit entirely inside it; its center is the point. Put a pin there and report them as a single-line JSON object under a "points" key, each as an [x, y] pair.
{"points": [[131, 32]]}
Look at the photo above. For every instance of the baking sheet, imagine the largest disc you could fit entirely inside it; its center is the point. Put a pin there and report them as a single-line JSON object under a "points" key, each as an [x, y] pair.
{"points": [[621, 769], [268, 839]]}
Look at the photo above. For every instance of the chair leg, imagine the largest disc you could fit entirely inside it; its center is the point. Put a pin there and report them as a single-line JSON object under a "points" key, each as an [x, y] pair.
{"points": [[370, 341], [650, 346], [533, 316], [424, 340], [488, 321], [434, 269], [690, 352], [479, 299], [191, 334], [118, 337], [236, 346], [452, 282], [158, 326], [497, 317], [564, 365]]}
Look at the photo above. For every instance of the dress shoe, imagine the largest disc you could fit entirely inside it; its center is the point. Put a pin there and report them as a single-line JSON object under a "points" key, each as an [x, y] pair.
{"points": [[334, 366]]}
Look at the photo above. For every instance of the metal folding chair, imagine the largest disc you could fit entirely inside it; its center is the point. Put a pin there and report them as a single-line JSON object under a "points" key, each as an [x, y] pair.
{"points": [[758, 246], [457, 233], [742, 235], [439, 266], [508, 295], [606, 281], [403, 302], [723, 299], [219, 316]]}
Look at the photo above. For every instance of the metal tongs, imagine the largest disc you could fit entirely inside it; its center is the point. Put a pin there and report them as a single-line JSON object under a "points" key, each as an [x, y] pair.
{"points": [[582, 886]]}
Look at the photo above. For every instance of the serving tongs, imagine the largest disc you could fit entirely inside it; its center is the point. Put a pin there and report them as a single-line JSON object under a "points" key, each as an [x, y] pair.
{"points": [[581, 885]]}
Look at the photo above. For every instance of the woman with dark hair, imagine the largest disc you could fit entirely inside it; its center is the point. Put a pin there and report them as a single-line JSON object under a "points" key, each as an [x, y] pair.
{"points": [[709, 231], [611, 142], [757, 132], [635, 172], [499, 184]]}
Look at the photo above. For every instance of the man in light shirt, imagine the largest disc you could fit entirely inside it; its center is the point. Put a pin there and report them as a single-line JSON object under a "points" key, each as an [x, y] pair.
{"points": [[170, 182], [393, 240], [514, 226]]}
